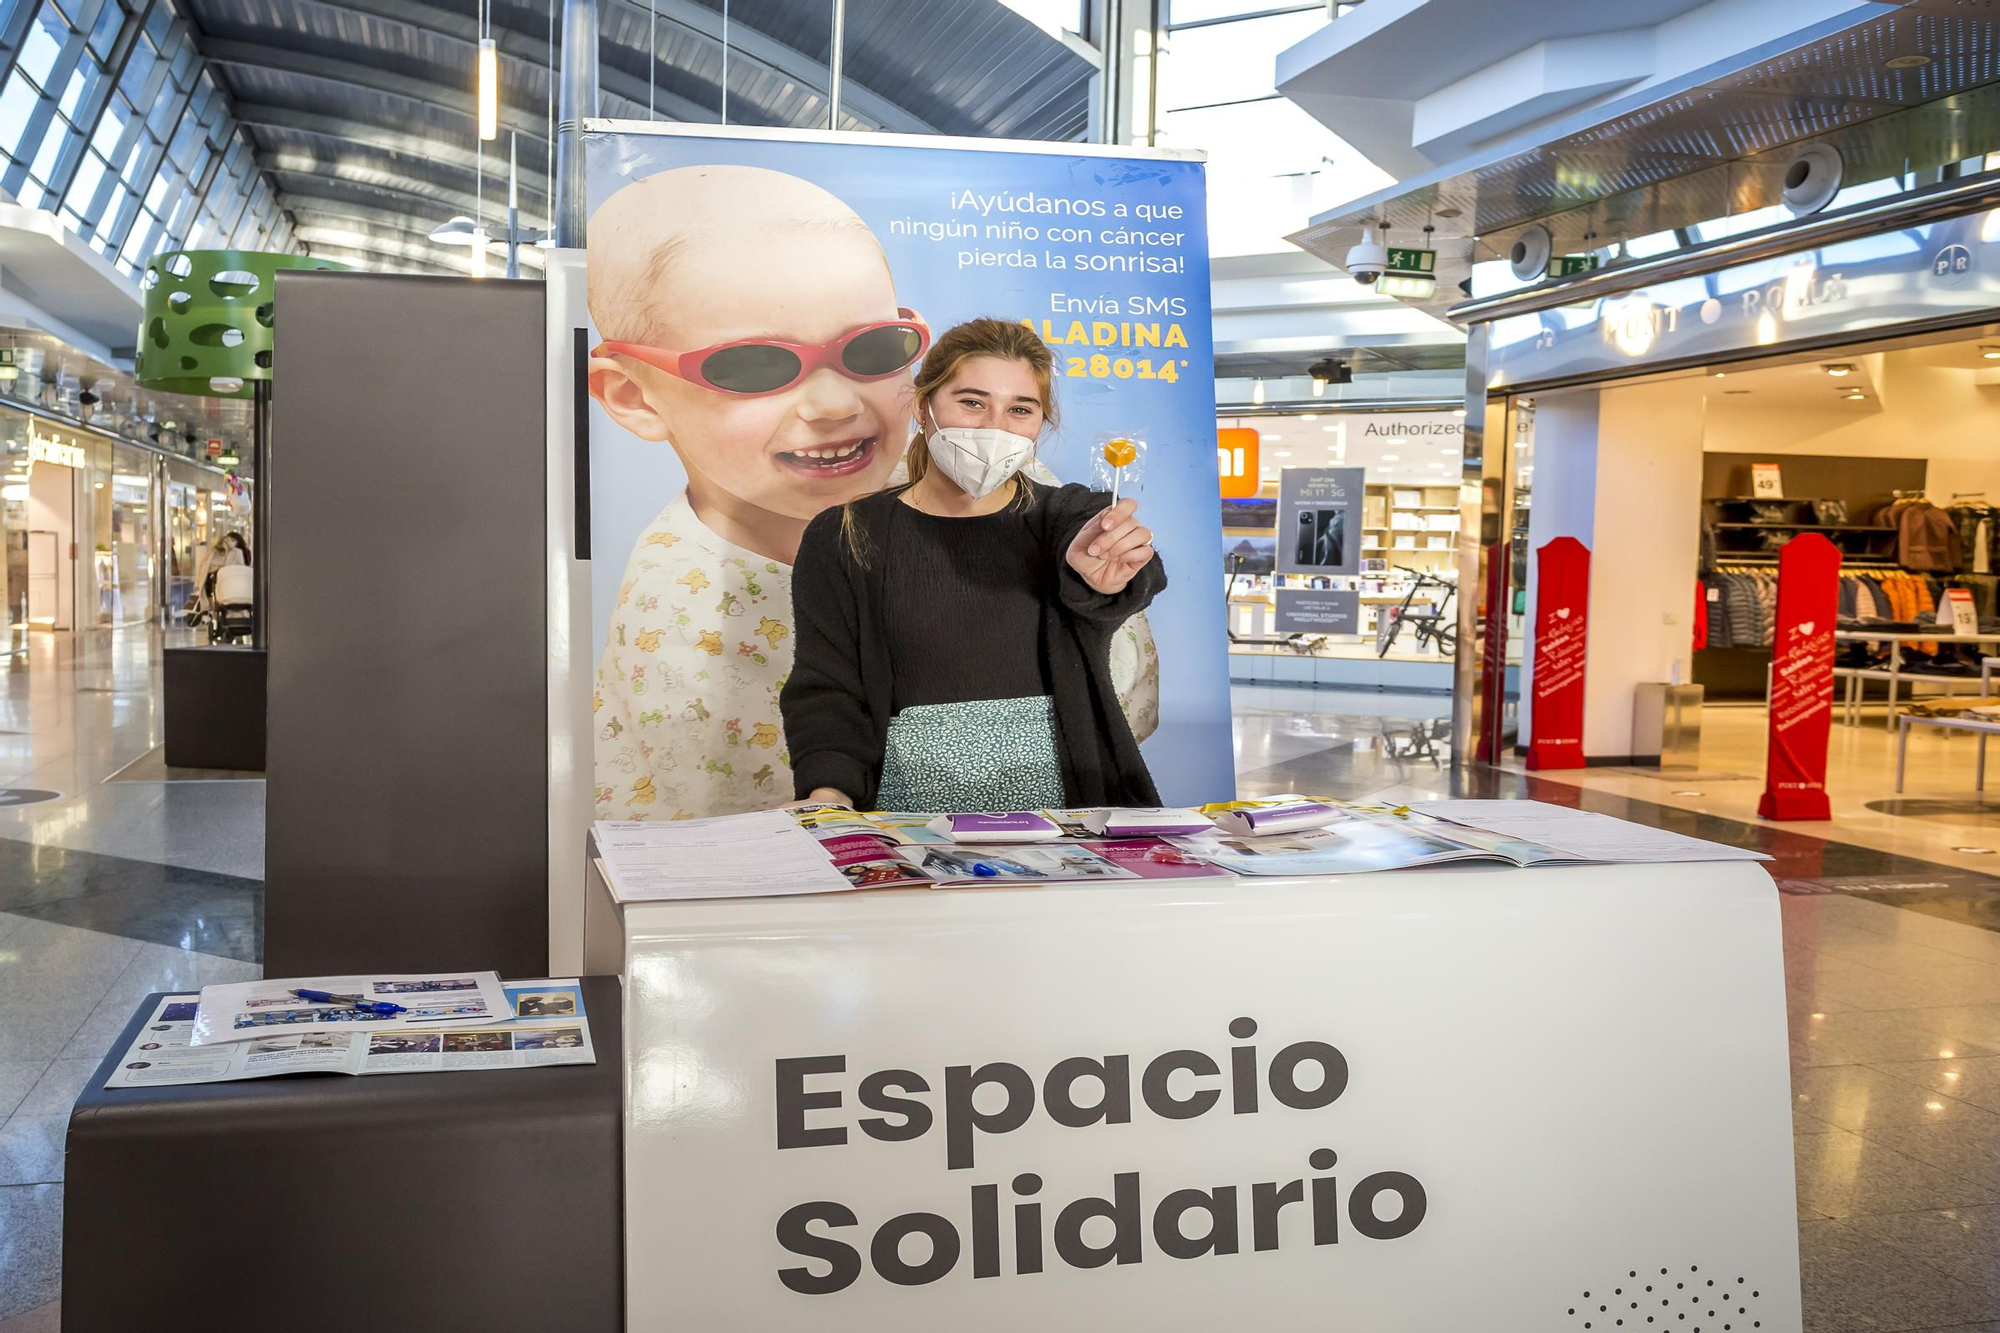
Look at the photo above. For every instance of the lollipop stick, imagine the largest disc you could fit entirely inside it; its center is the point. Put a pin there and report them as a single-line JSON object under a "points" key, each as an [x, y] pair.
{"points": [[1117, 475]]}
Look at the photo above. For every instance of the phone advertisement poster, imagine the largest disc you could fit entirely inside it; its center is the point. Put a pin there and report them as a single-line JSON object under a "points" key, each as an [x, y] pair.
{"points": [[758, 302], [1319, 519]]}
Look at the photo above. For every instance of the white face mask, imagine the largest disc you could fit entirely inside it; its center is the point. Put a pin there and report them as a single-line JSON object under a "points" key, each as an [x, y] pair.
{"points": [[979, 459]]}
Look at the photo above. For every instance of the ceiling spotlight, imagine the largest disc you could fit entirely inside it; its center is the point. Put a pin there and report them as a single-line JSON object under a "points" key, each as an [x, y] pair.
{"points": [[1989, 352], [1837, 369], [1907, 62], [1721, 373]]}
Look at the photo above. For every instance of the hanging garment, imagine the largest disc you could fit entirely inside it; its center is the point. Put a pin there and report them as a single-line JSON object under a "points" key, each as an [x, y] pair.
{"points": [[1700, 615], [1926, 538]]}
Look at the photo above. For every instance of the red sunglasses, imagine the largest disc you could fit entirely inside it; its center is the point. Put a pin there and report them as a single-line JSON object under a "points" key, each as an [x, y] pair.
{"points": [[755, 367]]}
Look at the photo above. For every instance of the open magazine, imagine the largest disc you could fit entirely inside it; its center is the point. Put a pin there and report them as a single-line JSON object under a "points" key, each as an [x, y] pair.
{"points": [[1518, 833], [543, 1024]]}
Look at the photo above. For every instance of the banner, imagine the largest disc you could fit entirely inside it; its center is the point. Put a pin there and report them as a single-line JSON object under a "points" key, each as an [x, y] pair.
{"points": [[704, 238], [1802, 680], [1319, 519], [1562, 614]]}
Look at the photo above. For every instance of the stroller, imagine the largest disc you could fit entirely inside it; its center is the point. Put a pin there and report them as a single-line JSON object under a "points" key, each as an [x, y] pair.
{"points": [[227, 605]]}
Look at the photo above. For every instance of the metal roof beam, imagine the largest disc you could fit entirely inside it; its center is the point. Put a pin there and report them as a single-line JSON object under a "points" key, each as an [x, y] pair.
{"points": [[284, 60], [363, 132], [746, 41], [524, 47], [380, 263], [386, 226], [322, 179]]}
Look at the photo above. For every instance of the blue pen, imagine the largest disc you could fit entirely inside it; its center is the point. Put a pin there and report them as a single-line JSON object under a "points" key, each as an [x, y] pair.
{"points": [[984, 871], [351, 1001]]}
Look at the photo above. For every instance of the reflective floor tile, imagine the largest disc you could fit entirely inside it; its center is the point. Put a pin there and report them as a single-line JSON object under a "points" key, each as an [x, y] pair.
{"points": [[1853, 1282], [1968, 1148], [31, 1149], [41, 1319], [1872, 1037], [1974, 1080], [1963, 1242], [30, 1247], [60, 1085], [1855, 1097], [1841, 1173], [17, 1078]]}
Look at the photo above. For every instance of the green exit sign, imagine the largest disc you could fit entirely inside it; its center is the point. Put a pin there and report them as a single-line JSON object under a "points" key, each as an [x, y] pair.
{"points": [[1568, 266], [1421, 263]]}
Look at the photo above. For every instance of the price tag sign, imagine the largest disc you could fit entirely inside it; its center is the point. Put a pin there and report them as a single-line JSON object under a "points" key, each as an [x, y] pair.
{"points": [[1955, 608], [1765, 482]]}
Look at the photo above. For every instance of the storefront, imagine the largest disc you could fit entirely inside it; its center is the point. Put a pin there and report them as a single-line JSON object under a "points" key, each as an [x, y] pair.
{"points": [[1689, 417], [1341, 545], [100, 533]]}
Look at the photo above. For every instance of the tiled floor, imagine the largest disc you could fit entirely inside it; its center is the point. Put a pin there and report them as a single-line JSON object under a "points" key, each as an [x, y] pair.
{"points": [[139, 880], [111, 891]]}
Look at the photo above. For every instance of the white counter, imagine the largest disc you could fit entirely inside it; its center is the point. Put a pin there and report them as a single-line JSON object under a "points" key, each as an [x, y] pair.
{"points": [[1580, 1072]]}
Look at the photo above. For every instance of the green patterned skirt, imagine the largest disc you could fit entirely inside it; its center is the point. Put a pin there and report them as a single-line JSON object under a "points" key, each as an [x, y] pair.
{"points": [[987, 754]]}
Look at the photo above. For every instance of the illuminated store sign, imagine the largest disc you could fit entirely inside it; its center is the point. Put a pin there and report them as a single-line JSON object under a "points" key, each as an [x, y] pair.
{"points": [[1939, 270], [50, 449]]}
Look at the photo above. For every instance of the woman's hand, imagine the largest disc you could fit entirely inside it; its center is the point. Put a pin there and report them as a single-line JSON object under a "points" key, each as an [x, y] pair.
{"points": [[1111, 548], [822, 796]]}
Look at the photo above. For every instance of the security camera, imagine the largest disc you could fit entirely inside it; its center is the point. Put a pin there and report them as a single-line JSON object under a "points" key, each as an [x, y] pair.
{"points": [[1812, 178], [1330, 371], [1367, 260], [1529, 257]]}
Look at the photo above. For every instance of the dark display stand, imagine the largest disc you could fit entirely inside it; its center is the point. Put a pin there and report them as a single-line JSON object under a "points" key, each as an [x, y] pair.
{"points": [[407, 824], [323, 1202], [214, 707]]}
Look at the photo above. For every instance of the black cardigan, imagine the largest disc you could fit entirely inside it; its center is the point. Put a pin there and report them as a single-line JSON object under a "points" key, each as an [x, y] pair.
{"points": [[836, 703]]}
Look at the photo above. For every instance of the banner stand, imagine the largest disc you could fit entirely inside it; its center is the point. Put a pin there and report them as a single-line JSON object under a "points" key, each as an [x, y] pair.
{"points": [[1802, 680], [1562, 612]]}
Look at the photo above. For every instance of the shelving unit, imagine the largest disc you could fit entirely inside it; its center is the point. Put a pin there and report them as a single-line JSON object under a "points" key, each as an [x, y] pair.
{"points": [[1739, 536]]}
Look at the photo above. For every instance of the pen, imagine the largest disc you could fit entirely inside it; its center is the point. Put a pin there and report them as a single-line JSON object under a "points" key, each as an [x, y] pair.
{"points": [[983, 871], [351, 1001]]}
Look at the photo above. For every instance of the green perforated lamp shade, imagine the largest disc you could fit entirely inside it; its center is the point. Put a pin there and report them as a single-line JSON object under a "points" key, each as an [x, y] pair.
{"points": [[207, 326]]}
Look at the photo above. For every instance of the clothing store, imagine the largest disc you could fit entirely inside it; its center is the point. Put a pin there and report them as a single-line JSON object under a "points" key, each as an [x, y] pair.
{"points": [[1685, 422]]}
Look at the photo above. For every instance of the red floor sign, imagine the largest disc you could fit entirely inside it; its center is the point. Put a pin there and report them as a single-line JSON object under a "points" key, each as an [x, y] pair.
{"points": [[1802, 680], [1562, 611]]}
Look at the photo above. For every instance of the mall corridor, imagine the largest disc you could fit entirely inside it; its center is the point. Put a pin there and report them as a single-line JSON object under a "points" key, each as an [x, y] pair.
{"points": [[134, 879]]}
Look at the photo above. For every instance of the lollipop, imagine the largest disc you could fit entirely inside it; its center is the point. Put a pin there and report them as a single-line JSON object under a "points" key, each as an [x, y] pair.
{"points": [[1117, 454]]}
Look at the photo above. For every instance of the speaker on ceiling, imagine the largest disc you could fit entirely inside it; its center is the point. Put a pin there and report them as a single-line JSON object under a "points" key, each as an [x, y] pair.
{"points": [[1812, 178], [1530, 256]]}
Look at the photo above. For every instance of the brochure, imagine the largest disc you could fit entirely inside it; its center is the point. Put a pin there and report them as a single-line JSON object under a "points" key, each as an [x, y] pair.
{"points": [[1578, 835], [869, 861], [1519, 833], [247, 1009], [759, 855], [1355, 845], [1154, 858], [964, 864], [542, 1026]]}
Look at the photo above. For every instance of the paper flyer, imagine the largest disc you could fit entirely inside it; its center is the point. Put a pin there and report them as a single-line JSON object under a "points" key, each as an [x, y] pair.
{"points": [[543, 1027], [1351, 847], [965, 864], [246, 1009], [764, 854]]}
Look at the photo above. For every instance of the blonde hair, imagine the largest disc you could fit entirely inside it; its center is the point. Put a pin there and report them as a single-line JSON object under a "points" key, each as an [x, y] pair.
{"points": [[1001, 339]]}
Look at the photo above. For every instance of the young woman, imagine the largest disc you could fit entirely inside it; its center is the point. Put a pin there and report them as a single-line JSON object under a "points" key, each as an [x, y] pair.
{"points": [[954, 632]]}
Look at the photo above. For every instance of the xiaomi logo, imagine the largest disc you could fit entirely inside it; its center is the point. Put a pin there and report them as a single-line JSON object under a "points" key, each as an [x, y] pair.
{"points": [[1236, 461]]}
